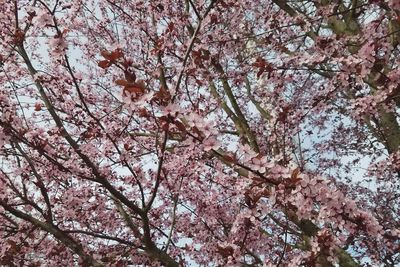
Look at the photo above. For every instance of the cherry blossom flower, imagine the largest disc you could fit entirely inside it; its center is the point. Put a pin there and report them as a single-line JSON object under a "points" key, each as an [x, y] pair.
{"points": [[211, 143]]}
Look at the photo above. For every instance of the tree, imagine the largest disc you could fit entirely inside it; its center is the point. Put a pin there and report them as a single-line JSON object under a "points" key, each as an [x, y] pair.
{"points": [[199, 132]]}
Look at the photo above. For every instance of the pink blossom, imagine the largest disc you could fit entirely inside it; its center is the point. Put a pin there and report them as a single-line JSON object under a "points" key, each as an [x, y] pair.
{"points": [[211, 144]]}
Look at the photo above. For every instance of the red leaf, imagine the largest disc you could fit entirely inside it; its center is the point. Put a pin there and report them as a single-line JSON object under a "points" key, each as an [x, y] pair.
{"points": [[171, 26], [295, 173], [198, 132], [163, 119], [164, 122], [105, 54], [19, 36], [180, 126], [163, 95], [113, 56], [260, 72], [122, 82], [38, 107], [130, 76], [135, 88], [116, 54], [223, 4], [140, 84], [262, 66], [260, 63], [64, 32], [142, 112], [104, 64], [225, 251], [214, 19], [230, 158]]}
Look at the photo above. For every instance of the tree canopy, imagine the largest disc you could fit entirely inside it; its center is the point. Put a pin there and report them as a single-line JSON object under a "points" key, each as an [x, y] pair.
{"points": [[199, 133]]}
